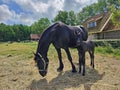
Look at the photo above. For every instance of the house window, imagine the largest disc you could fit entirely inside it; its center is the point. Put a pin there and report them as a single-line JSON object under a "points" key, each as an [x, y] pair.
{"points": [[91, 24]]}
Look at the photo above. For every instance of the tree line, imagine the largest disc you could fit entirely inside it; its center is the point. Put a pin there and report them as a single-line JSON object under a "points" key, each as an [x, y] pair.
{"points": [[19, 32]]}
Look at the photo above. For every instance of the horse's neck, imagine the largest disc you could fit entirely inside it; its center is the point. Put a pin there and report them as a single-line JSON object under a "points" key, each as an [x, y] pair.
{"points": [[43, 46], [46, 40]]}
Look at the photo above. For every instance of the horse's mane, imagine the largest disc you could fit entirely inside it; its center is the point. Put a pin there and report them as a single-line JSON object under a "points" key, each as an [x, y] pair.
{"points": [[52, 27]]}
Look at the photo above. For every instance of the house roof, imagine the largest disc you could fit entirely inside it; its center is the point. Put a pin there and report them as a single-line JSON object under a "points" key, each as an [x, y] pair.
{"points": [[94, 18], [35, 36], [101, 19]]}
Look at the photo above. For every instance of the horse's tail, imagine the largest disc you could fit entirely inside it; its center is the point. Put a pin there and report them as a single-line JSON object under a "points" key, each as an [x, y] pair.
{"points": [[84, 33]]}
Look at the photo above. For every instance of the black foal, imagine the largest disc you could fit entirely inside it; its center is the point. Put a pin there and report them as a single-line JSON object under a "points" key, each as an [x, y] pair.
{"points": [[83, 47]]}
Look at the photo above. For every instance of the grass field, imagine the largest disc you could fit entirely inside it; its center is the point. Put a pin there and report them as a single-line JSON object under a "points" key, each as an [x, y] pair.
{"points": [[18, 70]]}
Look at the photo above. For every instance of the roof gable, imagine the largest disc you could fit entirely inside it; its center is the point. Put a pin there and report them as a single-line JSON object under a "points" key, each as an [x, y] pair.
{"points": [[101, 21], [94, 18]]}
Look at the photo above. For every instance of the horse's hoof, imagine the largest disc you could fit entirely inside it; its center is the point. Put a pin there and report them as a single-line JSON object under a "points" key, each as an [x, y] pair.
{"points": [[59, 70], [74, 71]]}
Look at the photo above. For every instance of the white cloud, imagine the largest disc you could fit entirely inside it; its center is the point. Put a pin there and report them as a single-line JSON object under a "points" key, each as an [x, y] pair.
{"points": [[32, 10], [33, 6], [5, 13], [77, 5], [8, 15], [22, 18], [26, 19], [56, 4]]}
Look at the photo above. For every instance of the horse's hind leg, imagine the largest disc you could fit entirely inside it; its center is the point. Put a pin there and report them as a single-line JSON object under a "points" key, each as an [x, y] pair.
{"points": [[61, 66], [70, 59]]}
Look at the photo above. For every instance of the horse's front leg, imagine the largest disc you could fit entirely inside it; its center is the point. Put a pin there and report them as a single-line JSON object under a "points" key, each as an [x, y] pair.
{"points": [[70, 59], [61, 66]]}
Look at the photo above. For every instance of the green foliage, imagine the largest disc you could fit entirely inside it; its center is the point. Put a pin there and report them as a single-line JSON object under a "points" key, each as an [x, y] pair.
{"points": [[113, 5], [14, 33], [22, 32], [39, 26], [69, 18], [116, 17], [108, 50]]}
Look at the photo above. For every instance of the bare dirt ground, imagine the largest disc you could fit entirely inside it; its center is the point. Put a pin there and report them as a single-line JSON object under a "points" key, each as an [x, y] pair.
{"points": [[18, 73]]}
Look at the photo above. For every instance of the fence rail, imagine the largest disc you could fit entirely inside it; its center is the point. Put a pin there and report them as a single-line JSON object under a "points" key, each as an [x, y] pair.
{"points": [[115, 43]]}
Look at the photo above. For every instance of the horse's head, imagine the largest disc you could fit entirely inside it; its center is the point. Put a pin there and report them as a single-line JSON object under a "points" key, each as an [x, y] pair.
{"points": [[42, 64]]}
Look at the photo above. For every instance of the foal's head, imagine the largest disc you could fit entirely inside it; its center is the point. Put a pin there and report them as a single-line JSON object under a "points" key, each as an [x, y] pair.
{"points": [[42, 64], [78, 37]]}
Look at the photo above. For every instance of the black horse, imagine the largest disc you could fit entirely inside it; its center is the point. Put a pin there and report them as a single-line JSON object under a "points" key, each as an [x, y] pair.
{"points": [[86, 46], [61, 36]]}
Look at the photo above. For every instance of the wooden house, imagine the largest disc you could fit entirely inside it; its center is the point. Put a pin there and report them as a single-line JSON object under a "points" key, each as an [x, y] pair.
{"points": [[35, 37], [101, 27]]}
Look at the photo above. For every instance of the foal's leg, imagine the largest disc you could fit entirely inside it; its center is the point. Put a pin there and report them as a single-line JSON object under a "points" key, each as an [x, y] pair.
{"points": [[80, 60], [83, 63], [92, 57], [81, 54], [61, 66], [70, 59]]}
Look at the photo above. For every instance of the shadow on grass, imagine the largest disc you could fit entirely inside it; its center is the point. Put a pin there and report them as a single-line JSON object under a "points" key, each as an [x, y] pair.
{"points": [[68, 80]]}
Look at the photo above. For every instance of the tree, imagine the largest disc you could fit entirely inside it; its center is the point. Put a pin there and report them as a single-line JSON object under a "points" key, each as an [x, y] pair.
{"points": [[102, 6], [62, 16], [22, 32], [69, 18], [72, 18], [9, 33], [114, 4], [39, 26], [2, 31], [114, 8]]}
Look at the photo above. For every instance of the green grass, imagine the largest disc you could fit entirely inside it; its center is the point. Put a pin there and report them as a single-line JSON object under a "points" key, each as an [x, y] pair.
{"points": [[27, 49], [17, 49], [18, 71], [109, 51]]}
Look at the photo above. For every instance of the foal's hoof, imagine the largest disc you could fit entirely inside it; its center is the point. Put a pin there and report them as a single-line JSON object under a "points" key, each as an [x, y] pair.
{"points": [[83, 74], [79, 71]]}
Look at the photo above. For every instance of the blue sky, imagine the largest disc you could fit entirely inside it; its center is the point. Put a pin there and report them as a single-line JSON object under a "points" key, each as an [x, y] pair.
{"points": [[28, 11]]}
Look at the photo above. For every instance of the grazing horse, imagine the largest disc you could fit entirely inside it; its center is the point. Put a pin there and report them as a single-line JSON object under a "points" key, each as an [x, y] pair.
{"points": [[83, 47], [61, 36]]}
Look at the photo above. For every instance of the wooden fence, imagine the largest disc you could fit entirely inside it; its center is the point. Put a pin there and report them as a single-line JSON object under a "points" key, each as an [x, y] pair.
{"points": [[115, 43]]}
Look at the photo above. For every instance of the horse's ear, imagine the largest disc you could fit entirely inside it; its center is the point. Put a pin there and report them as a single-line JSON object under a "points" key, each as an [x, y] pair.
{"points": [[34, 53], [77, 32]]}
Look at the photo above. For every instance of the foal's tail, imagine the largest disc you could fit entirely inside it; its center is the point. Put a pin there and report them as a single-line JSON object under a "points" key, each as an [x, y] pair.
{"points": [[96, 44]]}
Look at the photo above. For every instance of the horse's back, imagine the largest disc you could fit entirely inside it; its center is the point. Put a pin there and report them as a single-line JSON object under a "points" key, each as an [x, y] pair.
{"points": [[65, 35]]}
